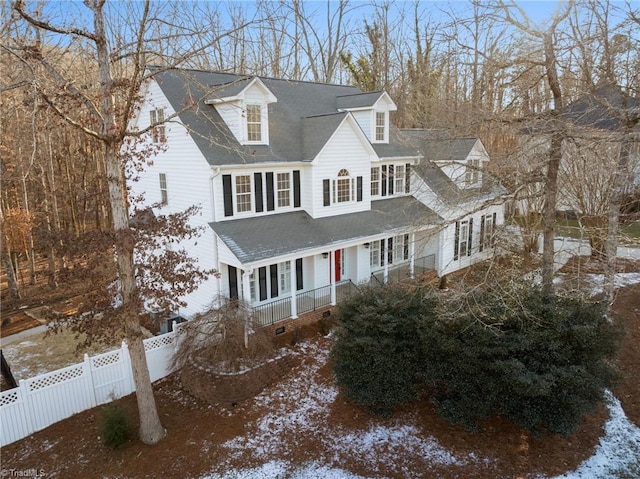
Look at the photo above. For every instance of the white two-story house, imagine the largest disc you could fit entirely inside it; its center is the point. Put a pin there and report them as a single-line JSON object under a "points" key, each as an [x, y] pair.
{"points": [[305, 188]]}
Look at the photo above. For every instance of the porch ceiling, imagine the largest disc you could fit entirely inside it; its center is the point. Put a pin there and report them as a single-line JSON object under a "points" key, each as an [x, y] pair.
{"points": [[269, 236]]}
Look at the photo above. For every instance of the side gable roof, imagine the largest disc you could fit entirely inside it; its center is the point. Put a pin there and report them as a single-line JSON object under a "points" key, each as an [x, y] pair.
{"points": [[187, 91], [301, 107]]}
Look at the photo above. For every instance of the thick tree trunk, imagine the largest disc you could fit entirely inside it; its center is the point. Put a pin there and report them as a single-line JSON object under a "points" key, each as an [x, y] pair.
{"points": [[151, 430]]}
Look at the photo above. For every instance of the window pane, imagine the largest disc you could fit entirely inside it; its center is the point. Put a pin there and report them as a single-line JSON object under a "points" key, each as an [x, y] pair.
{"points": [[164, 197], [464, 237], [380, 126], [375, 181], [254, 123], [284, 189], [285, 276], [343, 190], [243, 193], [399, 179]]}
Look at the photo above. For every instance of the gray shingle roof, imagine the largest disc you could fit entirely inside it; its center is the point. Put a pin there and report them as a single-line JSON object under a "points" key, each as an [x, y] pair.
{"points": [[289, 137], [359, 100], [606, 108], [264, 237], [316, 131], [438, 145]]}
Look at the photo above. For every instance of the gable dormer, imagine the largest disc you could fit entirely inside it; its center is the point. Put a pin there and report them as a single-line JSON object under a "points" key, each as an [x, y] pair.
{"points": [[243, 105], [371, 111]]}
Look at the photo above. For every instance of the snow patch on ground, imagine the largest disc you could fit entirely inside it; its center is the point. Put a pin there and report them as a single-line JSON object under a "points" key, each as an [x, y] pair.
{"points": [[299, 406]]}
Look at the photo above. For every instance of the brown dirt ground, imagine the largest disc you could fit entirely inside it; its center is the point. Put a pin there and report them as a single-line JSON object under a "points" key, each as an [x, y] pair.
{"points": [[72, 446]]}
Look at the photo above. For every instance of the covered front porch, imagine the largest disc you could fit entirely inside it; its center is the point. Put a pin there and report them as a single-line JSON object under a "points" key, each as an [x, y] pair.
{"points": [[287, 264]]}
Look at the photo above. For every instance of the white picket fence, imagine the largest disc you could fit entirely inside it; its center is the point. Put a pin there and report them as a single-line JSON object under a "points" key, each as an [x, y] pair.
{"points": [[48, 398]]}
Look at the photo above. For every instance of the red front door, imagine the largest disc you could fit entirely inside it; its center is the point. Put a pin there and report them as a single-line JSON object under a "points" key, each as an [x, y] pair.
{"points": [[337, 265]]}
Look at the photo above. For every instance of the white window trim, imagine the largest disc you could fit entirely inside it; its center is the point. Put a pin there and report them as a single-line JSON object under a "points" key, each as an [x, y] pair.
{"points": [[234, 186], [264, 124], [352, 188], [277, 190], [164, 191], [377, 181], [374, 124], [158, 132], [472, 173]]}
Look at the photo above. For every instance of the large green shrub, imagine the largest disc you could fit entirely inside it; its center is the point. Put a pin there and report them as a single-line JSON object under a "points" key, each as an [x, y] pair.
{"points": [[377, 352], [540, 360]]}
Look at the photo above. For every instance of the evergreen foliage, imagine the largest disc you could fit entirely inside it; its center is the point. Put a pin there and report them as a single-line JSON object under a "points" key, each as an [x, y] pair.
{"points": [[115, 426], [542, 361], [377, 352]]}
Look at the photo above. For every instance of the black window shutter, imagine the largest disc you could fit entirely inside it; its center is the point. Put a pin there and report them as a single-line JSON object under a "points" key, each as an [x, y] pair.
{"points": [[406, 247], [391, 175], [296, 188], [273, 270], [227, 193], [493, 230], [456, 244], [481, 239], [390, 250], [257, 180], [299, 275], [383, 245], [470, 236], [407, 178], [233, 281], [359, 188], [270, 200], [262, 282], [384, 180], [326, 195]]}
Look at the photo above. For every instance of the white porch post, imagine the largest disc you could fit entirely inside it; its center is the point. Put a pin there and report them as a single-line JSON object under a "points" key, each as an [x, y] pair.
{"points": [[246, 286], [384, 244], [412, 256], [294, 289], [332, 276]]}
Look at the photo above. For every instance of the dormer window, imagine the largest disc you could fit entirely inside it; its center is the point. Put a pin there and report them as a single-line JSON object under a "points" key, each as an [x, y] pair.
{"points": [[472, 173], [381, 127], [254, 123]]}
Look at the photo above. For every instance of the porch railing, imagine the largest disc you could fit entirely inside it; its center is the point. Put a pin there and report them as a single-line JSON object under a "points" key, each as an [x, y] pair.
{"points": [[306, 301], [401, 272]]}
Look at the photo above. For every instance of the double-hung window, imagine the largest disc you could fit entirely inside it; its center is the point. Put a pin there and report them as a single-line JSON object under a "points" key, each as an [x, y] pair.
{"points": [[375, 181], [472, 173], [158, 132], [399, 178], [254, 123], [283, 185], [243, 193], [164, 195], [381, 126]]}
